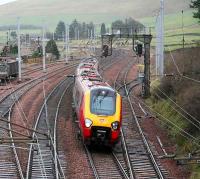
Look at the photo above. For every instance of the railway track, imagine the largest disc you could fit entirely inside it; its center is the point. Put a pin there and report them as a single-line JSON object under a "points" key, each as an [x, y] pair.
{"points": [[8, 100], [43, 156], [139, 153], [105, 164], [119, 83], [39, 68], [108, 164], [35, 69], [9, 163], [143, 160], [11, 87], [108, 62]]}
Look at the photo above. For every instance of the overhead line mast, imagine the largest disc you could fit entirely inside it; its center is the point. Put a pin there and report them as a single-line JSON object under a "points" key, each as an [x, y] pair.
{"points": [[19, 49], [43, 48], [160, 41], [66, 42]]}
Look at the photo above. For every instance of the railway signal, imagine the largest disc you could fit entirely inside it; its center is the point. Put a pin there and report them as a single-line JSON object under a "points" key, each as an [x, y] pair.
{"points": [[139, 49], [144, 39], [105, 50], [107, 45]]}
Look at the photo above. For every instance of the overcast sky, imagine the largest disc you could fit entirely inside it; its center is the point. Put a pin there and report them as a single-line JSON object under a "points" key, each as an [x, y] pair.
{"points": [[5, 1], [32, 11]]}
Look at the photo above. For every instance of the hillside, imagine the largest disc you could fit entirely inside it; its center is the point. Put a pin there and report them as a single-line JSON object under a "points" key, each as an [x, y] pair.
{"points": [[175, 100], [34, 12]]}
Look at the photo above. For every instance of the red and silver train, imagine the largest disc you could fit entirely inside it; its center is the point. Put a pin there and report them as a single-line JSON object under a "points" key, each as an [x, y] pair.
{"points": [[97, 106]]}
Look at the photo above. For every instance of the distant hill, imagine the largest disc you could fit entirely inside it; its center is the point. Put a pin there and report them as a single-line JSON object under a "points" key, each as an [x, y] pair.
{"points": [[51, 11]]}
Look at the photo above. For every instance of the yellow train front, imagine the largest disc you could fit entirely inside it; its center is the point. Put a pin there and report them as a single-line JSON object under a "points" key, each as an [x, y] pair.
{"points": [[98, 109]]}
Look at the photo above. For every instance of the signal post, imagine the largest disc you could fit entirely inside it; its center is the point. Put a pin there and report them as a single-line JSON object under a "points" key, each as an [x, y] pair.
{"points": [[144, 39]]}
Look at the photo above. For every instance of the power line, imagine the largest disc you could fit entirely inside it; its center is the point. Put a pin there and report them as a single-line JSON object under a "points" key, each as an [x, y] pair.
{"points": [[188, 135], [177, 68], [180, 108]]}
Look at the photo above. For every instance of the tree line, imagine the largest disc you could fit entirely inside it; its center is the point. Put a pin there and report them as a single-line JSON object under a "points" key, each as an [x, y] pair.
{"points": [[78, 30]]}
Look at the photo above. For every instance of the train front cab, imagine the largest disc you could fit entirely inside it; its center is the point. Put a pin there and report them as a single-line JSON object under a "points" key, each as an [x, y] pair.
{"points": [[101, 117]]}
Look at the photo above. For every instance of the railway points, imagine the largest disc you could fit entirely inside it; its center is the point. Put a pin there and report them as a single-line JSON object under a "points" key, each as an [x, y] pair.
{"points": [[121, 161], [81, 110]]}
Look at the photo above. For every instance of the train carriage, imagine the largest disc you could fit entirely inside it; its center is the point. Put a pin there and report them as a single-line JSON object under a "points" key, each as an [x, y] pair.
{"points": [[97, 106], [8, 68]]}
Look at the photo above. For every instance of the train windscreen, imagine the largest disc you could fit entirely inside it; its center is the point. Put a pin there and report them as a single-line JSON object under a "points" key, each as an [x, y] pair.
{"points": [[103, 102]]}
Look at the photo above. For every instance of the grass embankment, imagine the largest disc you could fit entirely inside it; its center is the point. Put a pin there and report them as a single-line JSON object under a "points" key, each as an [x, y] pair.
{"points": [[174, 31], [175, 101]]}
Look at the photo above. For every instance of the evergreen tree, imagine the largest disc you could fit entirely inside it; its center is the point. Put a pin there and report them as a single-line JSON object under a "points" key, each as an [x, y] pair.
{"points": [[13, 49], [73, 28], [118, 24], [84, 30], [90, 27], [60, 30], [103, 29], [196, 5], [51, 47], [13, 34], [130, 25]]}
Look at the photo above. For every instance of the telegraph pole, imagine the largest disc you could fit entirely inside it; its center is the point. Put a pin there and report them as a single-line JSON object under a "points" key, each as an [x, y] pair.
{"points": [[66, 42], [68, 48], [63, 38], [78, 34], [157, 45], [75, 33], [19, 49], [43, 49], [89, 38], [94, 39], [160, 41], [162, 38], [183, 31]]}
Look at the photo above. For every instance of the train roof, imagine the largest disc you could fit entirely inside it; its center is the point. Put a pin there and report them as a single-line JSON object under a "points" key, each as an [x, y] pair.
{"points": [[87, 74]]}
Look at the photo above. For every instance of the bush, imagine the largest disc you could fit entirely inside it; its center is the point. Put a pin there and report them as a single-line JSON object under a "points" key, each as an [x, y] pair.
{"points": [[51, 47], [36, 54], [186, 93]]}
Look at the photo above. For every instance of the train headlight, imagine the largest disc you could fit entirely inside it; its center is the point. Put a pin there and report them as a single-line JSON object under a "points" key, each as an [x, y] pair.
{"points": [[115, 125], [88, 123]]}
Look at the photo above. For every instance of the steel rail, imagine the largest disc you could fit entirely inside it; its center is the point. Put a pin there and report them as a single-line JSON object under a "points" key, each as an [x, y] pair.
{"points": [[11, 98], [14, 148], [36, 125], [40, 78], [127, 155], [115, 83], [153, 160], [55, 135], [27, 128], [127, 68], [9, 123], [120, 166], [39, 68], [92, 163], [156, 167]]}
